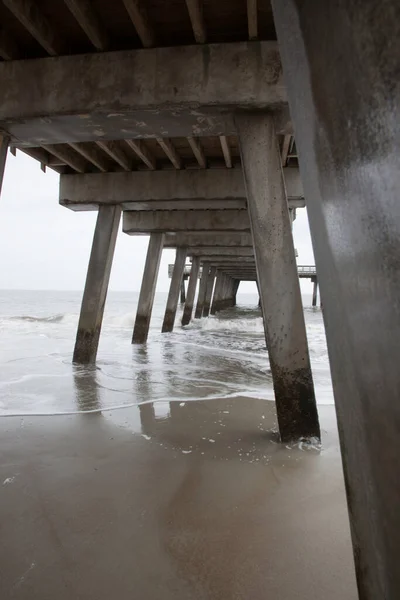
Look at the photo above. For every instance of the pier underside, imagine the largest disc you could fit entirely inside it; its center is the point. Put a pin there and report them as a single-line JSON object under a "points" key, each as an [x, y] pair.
{"points": [[176, 115]]}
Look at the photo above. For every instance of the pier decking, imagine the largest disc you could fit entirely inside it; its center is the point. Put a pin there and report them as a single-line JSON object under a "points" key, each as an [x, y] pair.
{"points": [[175, 116]]}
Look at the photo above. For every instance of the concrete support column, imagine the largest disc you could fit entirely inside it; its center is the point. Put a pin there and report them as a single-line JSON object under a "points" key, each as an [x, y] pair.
{"points": [[228, 294], [202, 290], [148, 288], [346, 119], [97, 278], [315, 292], [191, 291], [183, 292], [236, 283], [209, 292], [4, 141], [174, 289], [277, 278], [219, 283]]}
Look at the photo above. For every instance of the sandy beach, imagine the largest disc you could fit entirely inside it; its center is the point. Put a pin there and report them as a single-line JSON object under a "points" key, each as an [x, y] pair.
{"points": [[198, 503]]}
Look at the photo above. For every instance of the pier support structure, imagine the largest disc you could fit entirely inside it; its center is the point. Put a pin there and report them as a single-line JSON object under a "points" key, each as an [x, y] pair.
{"points": [[277, 278], [209, 291], [315, 291], [351, 182], [4, 140], [183, 292], [191, 291], [148, 288], [174, 289], [98, 276], [216, 300], [202, 290]]}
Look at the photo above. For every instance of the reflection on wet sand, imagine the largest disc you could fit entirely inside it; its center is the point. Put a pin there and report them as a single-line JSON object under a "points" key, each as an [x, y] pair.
{"points": [[193, 500]]}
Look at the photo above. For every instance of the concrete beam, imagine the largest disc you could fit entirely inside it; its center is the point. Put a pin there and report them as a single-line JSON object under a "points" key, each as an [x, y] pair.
{"points": [[174, 290], [191, 291], [196, 220], [182, 91], [152, 205], [202, 290], [96, 286], [209, 291], [91, 189], [208, 239], [148, 288], [342, 67], [212, 253], [279, 286], [231, 260]]}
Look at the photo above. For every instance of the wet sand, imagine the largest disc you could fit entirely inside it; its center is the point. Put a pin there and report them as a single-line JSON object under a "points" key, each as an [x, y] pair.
{"points": [[174, 502]]}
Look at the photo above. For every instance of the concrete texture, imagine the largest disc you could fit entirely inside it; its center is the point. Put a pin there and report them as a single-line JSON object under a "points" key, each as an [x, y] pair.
{"points": [[186, 221], [175, 91], [174, 290], [208, 239], [95, 509], [96, 286], [205, 269], [209, 292], [148, 288], [351, 178], [191, 291], [87, 191], [277, 278]]}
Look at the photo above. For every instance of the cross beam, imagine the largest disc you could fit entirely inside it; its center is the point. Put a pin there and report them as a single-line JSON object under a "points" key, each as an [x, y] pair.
{"points": [[185, 91], [87, 191]]}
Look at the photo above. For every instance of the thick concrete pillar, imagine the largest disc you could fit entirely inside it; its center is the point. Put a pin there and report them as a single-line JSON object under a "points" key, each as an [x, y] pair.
{"points": [[97, 278], [209, 292], [219, 284], [148, 288], [183, 292], [346, 119], [236, 283], [174, 289], [202, 290], [191, 291], [315, 291], [277, 278], [227, 301], [4, 141]]}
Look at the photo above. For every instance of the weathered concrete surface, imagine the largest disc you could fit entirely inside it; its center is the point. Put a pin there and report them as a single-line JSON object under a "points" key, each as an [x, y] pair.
{"points": [[209, 292], [315, 292], [87, 191], [183, 292], [4, 140], [148, 288], [96, 510], [191, 291], [351, 178], [236, 258], [218, 292], [208, 239], [170, 92], [202, 290], [174, 290], [277, 277], [222, 251], [196, 220], [96, 286]]}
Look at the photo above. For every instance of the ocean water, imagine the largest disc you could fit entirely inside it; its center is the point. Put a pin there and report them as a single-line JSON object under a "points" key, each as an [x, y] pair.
{"points": [[217, 357]]}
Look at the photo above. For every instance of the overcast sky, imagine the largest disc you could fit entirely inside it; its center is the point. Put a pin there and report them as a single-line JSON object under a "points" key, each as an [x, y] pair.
{"points": [[44, 246]]}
